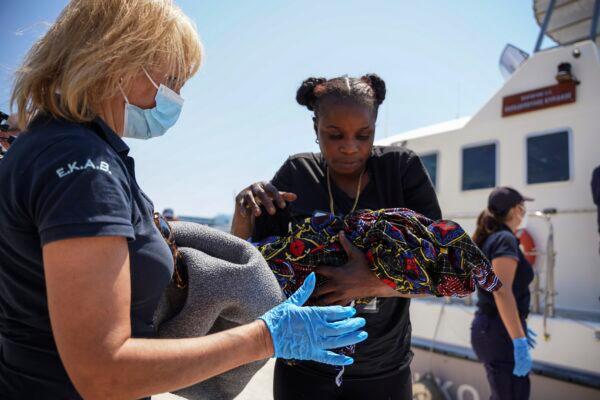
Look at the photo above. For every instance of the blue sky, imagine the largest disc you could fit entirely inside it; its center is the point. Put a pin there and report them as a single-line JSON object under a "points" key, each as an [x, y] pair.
{"points": [[240, 120]]}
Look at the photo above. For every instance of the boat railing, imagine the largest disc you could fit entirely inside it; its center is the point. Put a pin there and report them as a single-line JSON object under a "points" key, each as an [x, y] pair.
{"points": [[550, 289]]}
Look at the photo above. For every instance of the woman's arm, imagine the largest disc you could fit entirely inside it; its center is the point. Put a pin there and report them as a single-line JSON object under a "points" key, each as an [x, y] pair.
{"points": [[88, 292], [353, 280], [242, 224], [88, 289], [248, 202], [505, 268]]}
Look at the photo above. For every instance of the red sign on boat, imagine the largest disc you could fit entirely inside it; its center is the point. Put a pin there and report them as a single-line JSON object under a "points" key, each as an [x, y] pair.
{"points": [[538, 99]]}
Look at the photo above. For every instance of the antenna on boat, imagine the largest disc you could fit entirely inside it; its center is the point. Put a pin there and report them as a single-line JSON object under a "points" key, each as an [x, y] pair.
{"points": [[458, 100], [512, 57], [386, 120]]}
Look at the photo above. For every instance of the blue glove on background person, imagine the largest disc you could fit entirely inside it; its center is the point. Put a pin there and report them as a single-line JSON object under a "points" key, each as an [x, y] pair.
{"points": [[304, 333], [522, 356]]}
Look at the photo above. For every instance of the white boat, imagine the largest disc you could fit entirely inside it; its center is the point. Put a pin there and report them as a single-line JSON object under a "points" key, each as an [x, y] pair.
{"points": [[540, 133]]}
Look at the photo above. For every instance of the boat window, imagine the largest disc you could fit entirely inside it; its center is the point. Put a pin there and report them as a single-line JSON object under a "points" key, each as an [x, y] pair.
{"points": [[548, 158], [479, 167], [430, 163]]}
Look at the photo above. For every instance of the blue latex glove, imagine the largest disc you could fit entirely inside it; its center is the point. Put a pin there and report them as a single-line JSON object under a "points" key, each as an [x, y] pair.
{"points": [[304, 333], [531, 335], [522, 357]]}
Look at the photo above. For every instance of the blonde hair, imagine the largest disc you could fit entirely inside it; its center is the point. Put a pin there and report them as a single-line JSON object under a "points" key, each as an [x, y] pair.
{"points": [[94, 46]]}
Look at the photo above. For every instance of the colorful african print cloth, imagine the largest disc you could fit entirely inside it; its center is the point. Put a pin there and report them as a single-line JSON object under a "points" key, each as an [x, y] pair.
{"points": [[407, 251]]}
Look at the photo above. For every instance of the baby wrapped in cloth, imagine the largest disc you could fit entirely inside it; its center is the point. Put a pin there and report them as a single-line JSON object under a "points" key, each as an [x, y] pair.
{"points": [[406, 250]]}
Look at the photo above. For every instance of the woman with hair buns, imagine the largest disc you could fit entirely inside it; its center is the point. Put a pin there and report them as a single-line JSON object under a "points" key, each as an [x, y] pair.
{"points": [[82, 260], [499, 332], [348, 174]]}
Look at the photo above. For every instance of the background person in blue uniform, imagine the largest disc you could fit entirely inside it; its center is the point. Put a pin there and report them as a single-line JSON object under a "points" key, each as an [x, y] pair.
{"points": [[82, 265], [499, 333], [595, 185], [349, 173]]}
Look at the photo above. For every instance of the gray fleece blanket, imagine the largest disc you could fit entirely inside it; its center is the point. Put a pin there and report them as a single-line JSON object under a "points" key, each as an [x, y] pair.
{"points": [[230, 284]]}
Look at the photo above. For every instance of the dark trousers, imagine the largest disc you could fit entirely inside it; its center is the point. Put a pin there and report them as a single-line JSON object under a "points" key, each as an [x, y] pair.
{"points": [[494, 348], [294, 383]]}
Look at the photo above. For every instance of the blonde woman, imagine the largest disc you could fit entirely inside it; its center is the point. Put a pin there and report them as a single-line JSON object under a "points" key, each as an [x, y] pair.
{"points": [[82, 264]]}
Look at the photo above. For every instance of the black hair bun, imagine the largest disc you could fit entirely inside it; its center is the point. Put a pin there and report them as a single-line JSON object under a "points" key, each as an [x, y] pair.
{"points": [[305, 96], [378, 86]]}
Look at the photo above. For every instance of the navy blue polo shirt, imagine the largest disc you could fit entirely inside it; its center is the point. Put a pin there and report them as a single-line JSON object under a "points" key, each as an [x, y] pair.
{"points": [[596, 191], [65, 180], [504, 243]]}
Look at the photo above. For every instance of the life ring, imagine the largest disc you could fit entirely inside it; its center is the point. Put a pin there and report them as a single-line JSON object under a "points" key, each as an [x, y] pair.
{"points": [[527, 245]]}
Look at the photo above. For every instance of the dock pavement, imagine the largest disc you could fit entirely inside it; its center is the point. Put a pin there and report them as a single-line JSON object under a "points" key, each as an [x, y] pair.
{"points": [[260, 386]]}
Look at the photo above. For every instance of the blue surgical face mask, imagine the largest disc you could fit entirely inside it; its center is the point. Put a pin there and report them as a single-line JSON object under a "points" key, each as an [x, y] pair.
{"points": [[153, 122]]}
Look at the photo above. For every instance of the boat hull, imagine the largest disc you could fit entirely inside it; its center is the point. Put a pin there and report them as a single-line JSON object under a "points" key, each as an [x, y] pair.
{"points": [[461, 378]]}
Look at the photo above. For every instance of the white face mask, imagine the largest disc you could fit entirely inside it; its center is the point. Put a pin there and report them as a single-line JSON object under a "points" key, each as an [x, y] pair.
{"points": [[524, 221]]}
